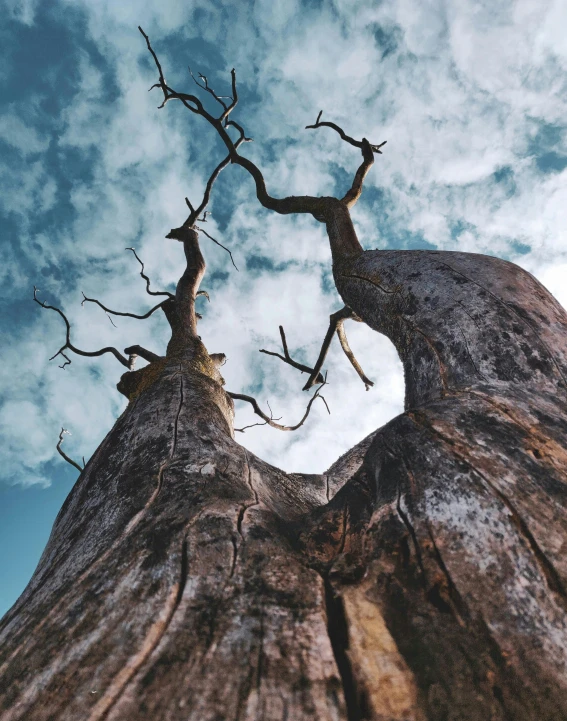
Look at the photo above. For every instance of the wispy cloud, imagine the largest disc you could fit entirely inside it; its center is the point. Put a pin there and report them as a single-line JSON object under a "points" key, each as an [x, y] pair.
{"points": [[470, 97]]}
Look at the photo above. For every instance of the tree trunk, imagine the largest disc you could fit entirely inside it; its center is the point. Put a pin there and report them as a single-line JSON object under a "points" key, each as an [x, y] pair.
{"points": [[422, 577]]}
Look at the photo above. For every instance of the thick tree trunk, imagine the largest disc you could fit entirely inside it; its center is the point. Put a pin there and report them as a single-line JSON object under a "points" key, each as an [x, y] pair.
{"points": [[422, 577]]}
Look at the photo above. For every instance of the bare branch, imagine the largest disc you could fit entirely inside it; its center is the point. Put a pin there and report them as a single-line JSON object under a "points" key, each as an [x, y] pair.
{"points": [[354, 192], [350, 355], [145, 277], [269, 420], [205, 86], [284, 206], [317, 207], [64, 455], [219, 244], [68, 345], [234, 97], [288, 359], [368, 151], [196, 212], [336, 324], [138, 350], [344, 136], [115, 312]]}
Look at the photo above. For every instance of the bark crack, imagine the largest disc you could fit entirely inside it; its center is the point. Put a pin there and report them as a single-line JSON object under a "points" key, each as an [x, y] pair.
{"points": [[154, 635], [442, 367], [337, 629], [176, 423], [132, 523], [469, 352], [374, 283], [413, 535]]}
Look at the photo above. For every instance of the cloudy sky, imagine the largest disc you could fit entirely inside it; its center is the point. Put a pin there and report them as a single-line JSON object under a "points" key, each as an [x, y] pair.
{"points": [[471, 97]]}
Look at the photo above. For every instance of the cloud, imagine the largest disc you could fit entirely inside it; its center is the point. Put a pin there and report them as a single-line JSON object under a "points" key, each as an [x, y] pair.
{"points": [[471, 100]]}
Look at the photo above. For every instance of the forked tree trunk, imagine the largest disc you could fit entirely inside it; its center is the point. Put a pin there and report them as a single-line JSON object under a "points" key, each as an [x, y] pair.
{"points": [[422, 577]]}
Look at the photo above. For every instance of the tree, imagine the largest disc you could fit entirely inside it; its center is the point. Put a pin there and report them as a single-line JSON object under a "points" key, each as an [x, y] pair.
{"points": [[422, 577]]}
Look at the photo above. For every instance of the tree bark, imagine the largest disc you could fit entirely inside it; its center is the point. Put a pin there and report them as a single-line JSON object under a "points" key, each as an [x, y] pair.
{"points": [[422, 577]]}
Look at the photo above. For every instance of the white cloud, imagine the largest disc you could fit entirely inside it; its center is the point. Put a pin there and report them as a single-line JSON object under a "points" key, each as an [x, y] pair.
{"points": [[18, 134], [459, 96]]}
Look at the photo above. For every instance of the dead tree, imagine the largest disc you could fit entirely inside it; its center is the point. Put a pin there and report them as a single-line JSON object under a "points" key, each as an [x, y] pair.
{"points": [[422, 577]]}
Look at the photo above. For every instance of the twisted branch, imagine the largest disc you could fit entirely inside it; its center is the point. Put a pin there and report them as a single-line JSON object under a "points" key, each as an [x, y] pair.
{"points": [[270, 420], [292, 204], [64, 455], [288, 359], [116, 312], [69, 346], [344, 136], [145, 277]]}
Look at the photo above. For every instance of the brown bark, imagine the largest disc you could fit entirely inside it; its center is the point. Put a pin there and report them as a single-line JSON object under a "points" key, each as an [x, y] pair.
{"points": [[422, 577]]}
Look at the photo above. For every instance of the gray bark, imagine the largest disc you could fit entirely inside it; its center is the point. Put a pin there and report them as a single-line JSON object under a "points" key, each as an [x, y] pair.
{"points": [[422, 577]]}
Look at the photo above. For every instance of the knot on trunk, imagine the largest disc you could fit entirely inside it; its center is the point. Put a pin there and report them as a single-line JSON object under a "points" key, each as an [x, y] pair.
{"points": [[183, 234]]}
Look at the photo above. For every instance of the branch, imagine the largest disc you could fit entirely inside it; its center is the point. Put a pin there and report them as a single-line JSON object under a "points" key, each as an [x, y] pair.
{"points": [[210, 237], [344, 136], [64, 455], [196, 212], [288, 359], [368, 151], [145, 277], [349, 354], [205, 86], [269, 420], [305, 204], [68, 345], [336, 324], [138, 350], [115, 312]]}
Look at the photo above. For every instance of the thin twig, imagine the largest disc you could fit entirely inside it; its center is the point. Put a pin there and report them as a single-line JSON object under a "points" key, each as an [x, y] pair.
{"points": [[64, 455], [270, 421], [288, 359], [205, 86], [219, 244], [145, 277], [68, 345]]}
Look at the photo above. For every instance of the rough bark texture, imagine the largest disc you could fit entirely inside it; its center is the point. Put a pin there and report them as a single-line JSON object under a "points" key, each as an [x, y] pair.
{"points": [[422, 577]]}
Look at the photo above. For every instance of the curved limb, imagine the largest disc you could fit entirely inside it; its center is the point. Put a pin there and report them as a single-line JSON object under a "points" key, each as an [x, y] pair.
{"points": [[344, 136], [116, 312], [336, 325], [145, 277], [292, 204], [349, 354], [270, 420], [69, 346]]}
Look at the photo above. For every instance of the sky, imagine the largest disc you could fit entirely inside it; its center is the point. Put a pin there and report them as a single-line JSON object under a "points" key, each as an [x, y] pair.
{"points": [[470, 96]]}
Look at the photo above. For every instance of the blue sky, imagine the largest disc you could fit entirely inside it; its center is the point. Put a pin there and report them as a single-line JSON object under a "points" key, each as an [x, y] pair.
{"points": [[470, 97]]}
